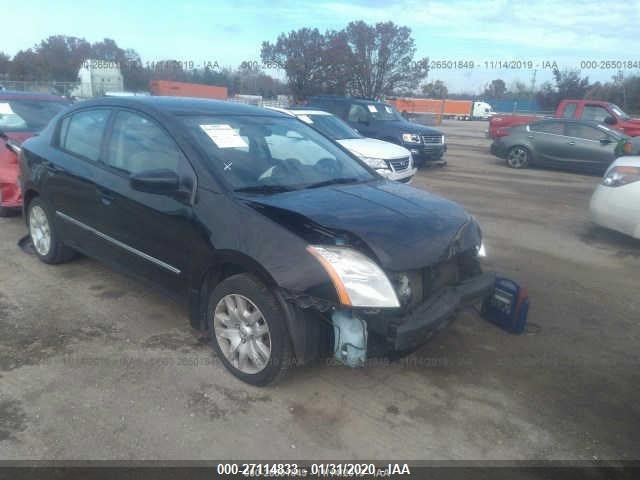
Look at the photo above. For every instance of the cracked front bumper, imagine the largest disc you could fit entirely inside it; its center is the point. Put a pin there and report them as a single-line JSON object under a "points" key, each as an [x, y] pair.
{"points": [[415, 328]]}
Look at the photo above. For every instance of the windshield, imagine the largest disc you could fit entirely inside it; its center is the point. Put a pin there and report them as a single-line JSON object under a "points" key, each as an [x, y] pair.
{"points": [[268, 155], [27, 115], [382, 111], [619, 113], [330, 126]]}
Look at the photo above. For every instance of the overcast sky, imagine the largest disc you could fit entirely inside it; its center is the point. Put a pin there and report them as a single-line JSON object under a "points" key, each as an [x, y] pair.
{"points": [[481, 31]]}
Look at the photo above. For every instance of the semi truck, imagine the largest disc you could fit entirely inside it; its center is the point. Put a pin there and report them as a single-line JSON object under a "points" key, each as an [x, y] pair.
{"points": [[182, 89], [451, 109]]}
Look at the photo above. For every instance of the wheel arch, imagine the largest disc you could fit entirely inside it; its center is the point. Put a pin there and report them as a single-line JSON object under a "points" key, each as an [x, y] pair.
{"points": [[27, 197], [303, 326], [225, 264]]}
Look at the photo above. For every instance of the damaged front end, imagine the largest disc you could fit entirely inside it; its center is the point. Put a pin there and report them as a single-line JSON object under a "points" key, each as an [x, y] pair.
{"points": [[395, 311]]}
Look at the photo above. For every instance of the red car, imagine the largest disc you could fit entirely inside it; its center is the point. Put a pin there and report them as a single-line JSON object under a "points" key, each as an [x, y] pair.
{"points": [[22, 115], [589, 110]]}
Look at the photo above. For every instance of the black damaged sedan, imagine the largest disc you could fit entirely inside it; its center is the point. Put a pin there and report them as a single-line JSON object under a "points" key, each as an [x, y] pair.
{"points": [[284, 246]]}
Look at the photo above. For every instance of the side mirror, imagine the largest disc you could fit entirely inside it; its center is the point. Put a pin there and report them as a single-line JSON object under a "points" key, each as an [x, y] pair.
{"points": [[363, 121], [160, 182], [610, 120]]}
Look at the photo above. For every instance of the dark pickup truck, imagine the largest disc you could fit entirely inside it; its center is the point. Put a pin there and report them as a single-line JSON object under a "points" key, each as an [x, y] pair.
{"points": [[382, 121]]}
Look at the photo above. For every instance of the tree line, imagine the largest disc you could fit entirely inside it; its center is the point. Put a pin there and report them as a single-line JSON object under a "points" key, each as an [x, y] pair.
{"points": [[58, 59], [361, 59], [370, 61], [623, 90]]}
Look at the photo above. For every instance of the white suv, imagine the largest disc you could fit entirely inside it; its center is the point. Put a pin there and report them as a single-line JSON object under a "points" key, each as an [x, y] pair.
{"points": [[388, 159]]}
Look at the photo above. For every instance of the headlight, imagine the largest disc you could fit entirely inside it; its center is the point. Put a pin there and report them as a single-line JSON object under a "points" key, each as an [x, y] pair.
{"points": [[480, 251], [621, 175], [443, 139], [376, 163], [358, 280], [411, 138]]}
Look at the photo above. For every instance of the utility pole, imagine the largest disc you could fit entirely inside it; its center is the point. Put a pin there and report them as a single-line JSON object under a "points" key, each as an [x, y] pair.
{"points": [[533, 83]]}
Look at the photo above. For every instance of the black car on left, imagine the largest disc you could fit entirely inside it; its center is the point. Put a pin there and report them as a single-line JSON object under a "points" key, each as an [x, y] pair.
{"points": [[282, 256]]}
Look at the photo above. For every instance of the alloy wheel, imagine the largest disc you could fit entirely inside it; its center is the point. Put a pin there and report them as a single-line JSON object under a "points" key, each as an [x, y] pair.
{"points": [[40, 230], [518, 157], [242, 333]]}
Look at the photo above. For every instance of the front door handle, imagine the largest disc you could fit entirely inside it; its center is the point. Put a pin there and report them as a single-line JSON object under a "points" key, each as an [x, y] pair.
{"points": [[571, 142], [529, 136]]}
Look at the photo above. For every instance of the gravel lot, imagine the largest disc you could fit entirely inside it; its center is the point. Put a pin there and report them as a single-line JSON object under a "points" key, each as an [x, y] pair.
{"points": [[94, 365]]}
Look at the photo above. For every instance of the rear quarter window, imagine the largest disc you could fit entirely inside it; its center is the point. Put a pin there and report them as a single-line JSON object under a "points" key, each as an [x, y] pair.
{"points": [[81, 133]]}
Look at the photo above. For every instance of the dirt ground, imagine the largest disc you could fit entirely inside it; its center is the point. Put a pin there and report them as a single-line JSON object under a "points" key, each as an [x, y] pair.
{"points": [[94, 365]]}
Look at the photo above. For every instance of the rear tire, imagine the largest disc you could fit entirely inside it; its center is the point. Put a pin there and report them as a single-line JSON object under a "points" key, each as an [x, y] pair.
{"points": [[518, 157], [46, 241], [248, 332]]}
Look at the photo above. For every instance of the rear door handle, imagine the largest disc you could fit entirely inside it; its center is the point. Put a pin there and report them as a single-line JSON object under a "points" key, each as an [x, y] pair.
{"points": [[571, 143], [529, 136], [106, 197]]}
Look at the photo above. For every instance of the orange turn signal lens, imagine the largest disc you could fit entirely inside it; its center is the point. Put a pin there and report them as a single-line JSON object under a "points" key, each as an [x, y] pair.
{"points": [[343, 296]]}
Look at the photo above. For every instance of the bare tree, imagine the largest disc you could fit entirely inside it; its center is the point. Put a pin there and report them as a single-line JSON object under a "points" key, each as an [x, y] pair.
{"points": [[496, 89], [300, 54], [382, 59]]}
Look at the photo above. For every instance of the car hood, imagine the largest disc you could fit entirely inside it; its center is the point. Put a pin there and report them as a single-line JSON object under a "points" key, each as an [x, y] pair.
{"points": [[410, 127], [373, 148], [403, 227]]}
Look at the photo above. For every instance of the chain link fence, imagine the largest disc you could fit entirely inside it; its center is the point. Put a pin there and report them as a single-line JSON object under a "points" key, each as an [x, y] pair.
{"points": [[51, 87]]}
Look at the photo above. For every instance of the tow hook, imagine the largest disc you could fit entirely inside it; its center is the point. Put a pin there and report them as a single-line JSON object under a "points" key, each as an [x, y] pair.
{"points": [[350, 338]]}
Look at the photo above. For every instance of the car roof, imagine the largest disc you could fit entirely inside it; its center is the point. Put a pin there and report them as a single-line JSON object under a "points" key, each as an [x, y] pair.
{"points": [[308, 111], [346, 99], [584, 101], [183, 105], [45, 97]]}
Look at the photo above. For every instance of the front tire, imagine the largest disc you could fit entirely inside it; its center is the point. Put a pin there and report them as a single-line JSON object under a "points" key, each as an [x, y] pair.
{"points": [[518, 157], [248, 332], [46, 242]]}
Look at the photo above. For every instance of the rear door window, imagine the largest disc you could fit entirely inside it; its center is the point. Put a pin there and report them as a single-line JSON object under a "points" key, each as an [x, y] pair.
{"points": [[81, 133], [358, 113], [594, 113], [555, 128]]}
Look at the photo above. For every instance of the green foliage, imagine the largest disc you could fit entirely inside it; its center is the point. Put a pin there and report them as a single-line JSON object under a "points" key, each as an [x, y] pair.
{"points": [[363, 60], [435, 89]]}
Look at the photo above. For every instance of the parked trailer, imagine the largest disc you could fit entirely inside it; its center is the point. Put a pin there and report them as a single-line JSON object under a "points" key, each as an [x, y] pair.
{"points": [[182, 89], [456, 109]]}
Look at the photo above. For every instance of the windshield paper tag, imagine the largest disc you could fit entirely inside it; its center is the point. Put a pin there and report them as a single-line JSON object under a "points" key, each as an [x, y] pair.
{"points": [[372, 108], [224, 136], [5, 109], [305, 118]]}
